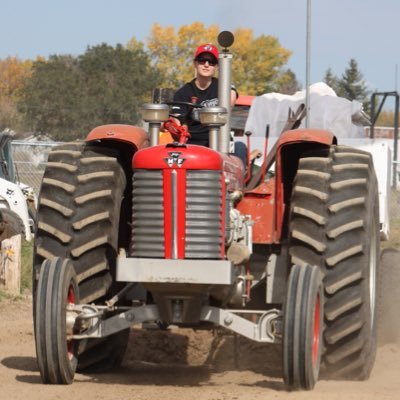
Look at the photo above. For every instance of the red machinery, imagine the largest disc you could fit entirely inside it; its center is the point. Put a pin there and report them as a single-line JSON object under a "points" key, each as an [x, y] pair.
{"points": [[130, 232]]}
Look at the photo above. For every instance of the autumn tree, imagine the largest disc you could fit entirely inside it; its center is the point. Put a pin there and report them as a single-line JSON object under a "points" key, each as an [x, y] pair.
{"points": [[171, 50], [258, 62], [13, 73], [257, 65], [386, 118]]}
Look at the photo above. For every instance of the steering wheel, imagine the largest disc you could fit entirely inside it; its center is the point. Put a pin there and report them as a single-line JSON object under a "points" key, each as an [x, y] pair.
{"points": [[184, 103], [184, 116]]}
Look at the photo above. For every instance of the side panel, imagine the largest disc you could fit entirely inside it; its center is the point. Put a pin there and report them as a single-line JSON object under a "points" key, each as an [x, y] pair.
{"points": [[260, 206]]}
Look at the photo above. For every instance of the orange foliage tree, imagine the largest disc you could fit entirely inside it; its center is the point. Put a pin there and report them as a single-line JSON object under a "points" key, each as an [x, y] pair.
{"points": [[13, 73], [257, 66]]}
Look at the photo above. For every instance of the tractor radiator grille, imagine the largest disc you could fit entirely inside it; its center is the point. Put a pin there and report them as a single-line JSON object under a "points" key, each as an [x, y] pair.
{"points": [[148, 214], [203, 215]]}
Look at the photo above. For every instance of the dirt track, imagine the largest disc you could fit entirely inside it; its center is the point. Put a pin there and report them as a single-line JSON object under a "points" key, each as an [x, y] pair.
{"points": [[182, 365]]}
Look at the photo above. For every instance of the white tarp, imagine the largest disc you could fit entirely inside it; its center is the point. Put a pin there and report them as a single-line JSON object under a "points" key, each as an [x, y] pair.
{"points": [[327, 111]]}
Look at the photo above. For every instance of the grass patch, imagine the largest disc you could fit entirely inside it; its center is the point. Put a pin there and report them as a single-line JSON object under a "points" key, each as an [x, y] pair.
{"points": [[26, 266], [26, 273], [4, 295]]}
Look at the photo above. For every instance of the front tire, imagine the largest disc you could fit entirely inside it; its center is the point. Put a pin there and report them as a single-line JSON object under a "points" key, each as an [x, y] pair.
{"points": [[302, 328], [56, 355]]}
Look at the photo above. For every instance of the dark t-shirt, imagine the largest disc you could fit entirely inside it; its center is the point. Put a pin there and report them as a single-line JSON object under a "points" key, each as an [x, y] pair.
{"points": [[207, 98]]}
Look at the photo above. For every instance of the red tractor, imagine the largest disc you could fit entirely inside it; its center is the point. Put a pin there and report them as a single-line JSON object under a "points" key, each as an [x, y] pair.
{"points": [[130, 232]]}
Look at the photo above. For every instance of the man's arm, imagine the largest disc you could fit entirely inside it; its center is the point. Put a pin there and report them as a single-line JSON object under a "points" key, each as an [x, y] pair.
{"points": [[234, 95]]}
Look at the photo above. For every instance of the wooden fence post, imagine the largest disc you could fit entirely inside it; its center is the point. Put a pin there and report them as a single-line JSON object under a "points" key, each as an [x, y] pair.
{"points": [[10, 265]]}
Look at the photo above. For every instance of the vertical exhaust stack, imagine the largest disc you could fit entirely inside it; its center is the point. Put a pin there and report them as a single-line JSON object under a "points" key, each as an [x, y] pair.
{"points": [[225, 40]]}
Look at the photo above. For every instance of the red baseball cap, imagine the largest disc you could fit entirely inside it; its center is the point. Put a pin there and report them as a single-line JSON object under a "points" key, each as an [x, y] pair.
{"points": [[207, 48]]}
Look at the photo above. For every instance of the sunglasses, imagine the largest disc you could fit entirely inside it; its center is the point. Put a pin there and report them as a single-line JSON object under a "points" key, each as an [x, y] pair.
{"points": [[202, 61]]}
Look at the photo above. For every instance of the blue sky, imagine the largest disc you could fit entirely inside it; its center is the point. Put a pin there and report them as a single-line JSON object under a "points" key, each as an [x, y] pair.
{"points": [[366, 30]]}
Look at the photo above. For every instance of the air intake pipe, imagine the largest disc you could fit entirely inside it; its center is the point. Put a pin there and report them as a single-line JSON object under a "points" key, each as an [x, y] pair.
{"points": [[154, 115], [214, 118]]}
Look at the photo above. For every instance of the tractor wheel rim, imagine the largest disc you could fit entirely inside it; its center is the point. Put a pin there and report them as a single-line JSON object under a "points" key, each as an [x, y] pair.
{"points": [[70, 343], [372, 278], [316, 330]]}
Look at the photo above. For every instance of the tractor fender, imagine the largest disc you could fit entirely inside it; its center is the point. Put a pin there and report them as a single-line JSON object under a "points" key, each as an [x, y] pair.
{"points": [[290, 147], [307, 135], [125, 140], [292, 144], [267, 202], [128, 134]]}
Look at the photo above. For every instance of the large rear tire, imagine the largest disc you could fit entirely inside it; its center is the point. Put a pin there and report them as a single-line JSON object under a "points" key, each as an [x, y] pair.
{"points": [[56, 355], [302, 328], [79, 219], [334, 224]]}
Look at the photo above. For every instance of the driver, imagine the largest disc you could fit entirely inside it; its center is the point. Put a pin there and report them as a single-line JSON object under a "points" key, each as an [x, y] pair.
{"points": [[202, 90]]}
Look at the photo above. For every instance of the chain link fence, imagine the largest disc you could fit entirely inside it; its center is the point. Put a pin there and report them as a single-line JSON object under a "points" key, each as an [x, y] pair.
{"points": [[30, 161]]}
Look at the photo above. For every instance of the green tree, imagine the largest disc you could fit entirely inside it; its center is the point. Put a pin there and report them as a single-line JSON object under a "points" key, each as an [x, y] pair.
{"points": [[352, 85], [116, 82], [287, 83], [66, 97], [331, 79], [257, 65], [51, 97]]}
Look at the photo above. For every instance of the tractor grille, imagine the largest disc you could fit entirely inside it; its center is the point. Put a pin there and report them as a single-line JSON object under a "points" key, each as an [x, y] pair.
{"points": [[203, 215], [148, 214]]}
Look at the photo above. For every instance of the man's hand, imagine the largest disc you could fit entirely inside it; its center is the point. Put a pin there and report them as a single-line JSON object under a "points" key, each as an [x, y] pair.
{"points": [[178, 131]]}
